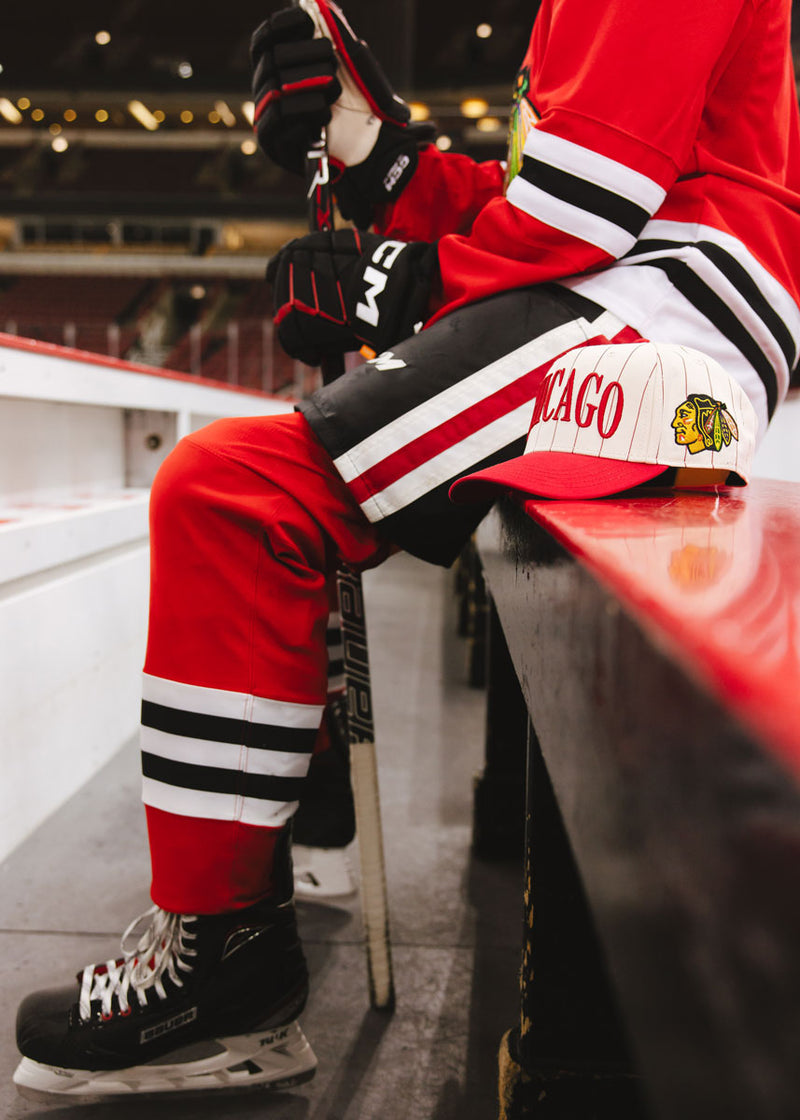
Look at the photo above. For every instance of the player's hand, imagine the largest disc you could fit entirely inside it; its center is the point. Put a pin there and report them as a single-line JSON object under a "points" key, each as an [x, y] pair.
{"points": [[302, 84], [334, 292], [294, 86]]}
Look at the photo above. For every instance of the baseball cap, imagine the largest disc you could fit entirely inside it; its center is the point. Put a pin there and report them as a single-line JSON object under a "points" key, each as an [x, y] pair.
{"points": [[610, 417]]}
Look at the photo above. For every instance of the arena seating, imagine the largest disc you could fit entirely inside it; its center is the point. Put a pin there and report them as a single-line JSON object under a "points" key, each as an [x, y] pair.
{"points": [[656, 642]]}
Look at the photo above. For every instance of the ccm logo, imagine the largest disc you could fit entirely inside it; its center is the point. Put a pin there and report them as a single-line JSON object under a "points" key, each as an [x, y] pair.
{"points": [[589, 403], [385, 256]]}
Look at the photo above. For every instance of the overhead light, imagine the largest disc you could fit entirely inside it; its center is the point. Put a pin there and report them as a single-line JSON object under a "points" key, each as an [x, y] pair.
{"points": [[483, 30], [248, 147], [474, 107], [59, 144], [187, 116], [24, 102], [248, 111], [37, 115], [226, 115], [101, 116], [213, 117], [9, 110], [197, 291], [419, 111], [70, 115], [54, 129], [443, 143], [185, 69], [102, 38], [159, 115], [488, 124], [142, 114]]}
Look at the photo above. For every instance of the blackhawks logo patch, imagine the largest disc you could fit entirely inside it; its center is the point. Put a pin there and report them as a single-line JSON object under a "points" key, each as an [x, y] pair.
{"points": [[703, 424]]}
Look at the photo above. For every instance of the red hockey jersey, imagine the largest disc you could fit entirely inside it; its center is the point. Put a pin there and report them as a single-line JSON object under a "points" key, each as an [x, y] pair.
{"points": [[654, 166]]}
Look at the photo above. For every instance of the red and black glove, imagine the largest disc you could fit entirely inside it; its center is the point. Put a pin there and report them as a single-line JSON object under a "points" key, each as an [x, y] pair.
{"points": [[302, 83], [333, 292]]}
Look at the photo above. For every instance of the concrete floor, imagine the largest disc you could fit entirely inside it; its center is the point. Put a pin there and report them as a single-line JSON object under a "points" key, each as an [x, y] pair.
{"points": [[68, 892]]}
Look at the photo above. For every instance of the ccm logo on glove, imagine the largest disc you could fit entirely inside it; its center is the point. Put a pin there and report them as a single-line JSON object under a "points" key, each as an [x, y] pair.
{"points": [[327, 288], [386, 254]]}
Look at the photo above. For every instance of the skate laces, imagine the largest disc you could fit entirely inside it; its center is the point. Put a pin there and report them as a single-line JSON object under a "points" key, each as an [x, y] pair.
{"points": [[158, 954]]}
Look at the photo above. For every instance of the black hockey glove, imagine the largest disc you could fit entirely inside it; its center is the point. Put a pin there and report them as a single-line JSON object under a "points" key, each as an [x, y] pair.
{"points": [[333, 292], [294, 85], [311, 71]]}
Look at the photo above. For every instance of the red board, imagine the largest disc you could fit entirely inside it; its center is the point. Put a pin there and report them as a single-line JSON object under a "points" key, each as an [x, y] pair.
{"points": [[715, 581]]}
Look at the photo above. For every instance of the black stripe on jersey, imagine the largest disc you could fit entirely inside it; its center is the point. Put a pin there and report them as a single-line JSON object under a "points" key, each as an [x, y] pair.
{"points": [[708, 303], [214, 779], [221, 729], [741, 279], [585, 195], [335, 667]]}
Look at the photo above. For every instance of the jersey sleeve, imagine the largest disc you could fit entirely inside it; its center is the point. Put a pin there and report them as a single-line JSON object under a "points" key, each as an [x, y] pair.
{"points": [[619, 87], [446, 193]]}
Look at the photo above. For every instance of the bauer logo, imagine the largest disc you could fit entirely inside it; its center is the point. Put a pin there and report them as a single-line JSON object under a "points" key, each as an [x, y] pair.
{"points": [[586, 400], [168, 1026]]}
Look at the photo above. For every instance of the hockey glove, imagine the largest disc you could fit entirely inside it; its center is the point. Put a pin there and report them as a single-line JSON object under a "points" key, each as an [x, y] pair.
{"points": [[336, 291], [310, 70]]}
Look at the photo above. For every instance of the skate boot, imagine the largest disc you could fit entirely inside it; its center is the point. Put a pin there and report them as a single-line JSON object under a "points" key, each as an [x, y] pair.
{"points": [[325, 822], [198, 1003]]}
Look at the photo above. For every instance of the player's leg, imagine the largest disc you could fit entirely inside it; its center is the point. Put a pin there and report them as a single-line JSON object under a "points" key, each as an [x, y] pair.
{"points": [[249, 519], [234, 688]]}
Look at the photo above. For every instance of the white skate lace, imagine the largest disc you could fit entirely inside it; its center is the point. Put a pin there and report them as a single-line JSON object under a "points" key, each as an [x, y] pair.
{"points": [[158, 954]]}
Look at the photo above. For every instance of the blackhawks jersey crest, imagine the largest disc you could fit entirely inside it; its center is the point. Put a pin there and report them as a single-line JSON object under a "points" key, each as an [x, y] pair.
{"points": [[523, 118]]}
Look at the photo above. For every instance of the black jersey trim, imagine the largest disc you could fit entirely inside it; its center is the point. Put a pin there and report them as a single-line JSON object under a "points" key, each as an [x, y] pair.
{"points": [[683, 277], [737, 275], [585, 195]]}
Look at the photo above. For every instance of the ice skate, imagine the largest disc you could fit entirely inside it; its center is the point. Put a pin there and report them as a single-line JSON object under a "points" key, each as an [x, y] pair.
{"points": [[199, 1003]]}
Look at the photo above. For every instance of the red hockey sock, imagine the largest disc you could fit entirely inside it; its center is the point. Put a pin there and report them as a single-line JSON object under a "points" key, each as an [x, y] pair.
{"points": [[249, 517]]}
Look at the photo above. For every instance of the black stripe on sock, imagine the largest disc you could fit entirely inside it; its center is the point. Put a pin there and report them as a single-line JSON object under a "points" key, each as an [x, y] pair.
{"points": [[213, 779], [335, 667], [708, 303], [221, 729], [585, 195]]}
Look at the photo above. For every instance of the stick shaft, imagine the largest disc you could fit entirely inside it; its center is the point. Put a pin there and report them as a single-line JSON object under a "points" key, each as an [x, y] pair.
{"points": [[360, 723]]}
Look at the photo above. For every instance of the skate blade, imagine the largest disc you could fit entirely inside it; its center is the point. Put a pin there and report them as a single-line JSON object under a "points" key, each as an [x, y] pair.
{"points": [[271, 1059], [322, 873]]}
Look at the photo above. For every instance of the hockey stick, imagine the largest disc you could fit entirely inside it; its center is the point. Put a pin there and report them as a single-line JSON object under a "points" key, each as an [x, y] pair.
{"points": [[360, 722]]}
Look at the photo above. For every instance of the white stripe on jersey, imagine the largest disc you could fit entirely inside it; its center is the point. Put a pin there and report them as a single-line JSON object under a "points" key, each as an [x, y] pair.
{"points": [[588, 223], [595, 168], [230, 705], [216, 806], [773, 293], [570, 219]]}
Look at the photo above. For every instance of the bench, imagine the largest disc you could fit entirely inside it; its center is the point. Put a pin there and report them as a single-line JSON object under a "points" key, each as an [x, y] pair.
{"points": [[655, 645]]}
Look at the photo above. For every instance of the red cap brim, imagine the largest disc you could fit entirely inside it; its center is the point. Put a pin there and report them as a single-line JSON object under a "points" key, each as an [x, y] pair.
{"points": [[555, 474]]}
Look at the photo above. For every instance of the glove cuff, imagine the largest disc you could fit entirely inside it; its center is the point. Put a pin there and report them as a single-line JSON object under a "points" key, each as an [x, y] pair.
{"points": [[382, 177]]}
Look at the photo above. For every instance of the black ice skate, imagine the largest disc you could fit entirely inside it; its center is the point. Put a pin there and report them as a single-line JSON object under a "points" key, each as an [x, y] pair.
{"points": [[325, 822], [201, 1002]]}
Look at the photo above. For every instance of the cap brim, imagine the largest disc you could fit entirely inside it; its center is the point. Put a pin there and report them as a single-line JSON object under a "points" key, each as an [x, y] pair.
{"points": [[555, 474]]}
